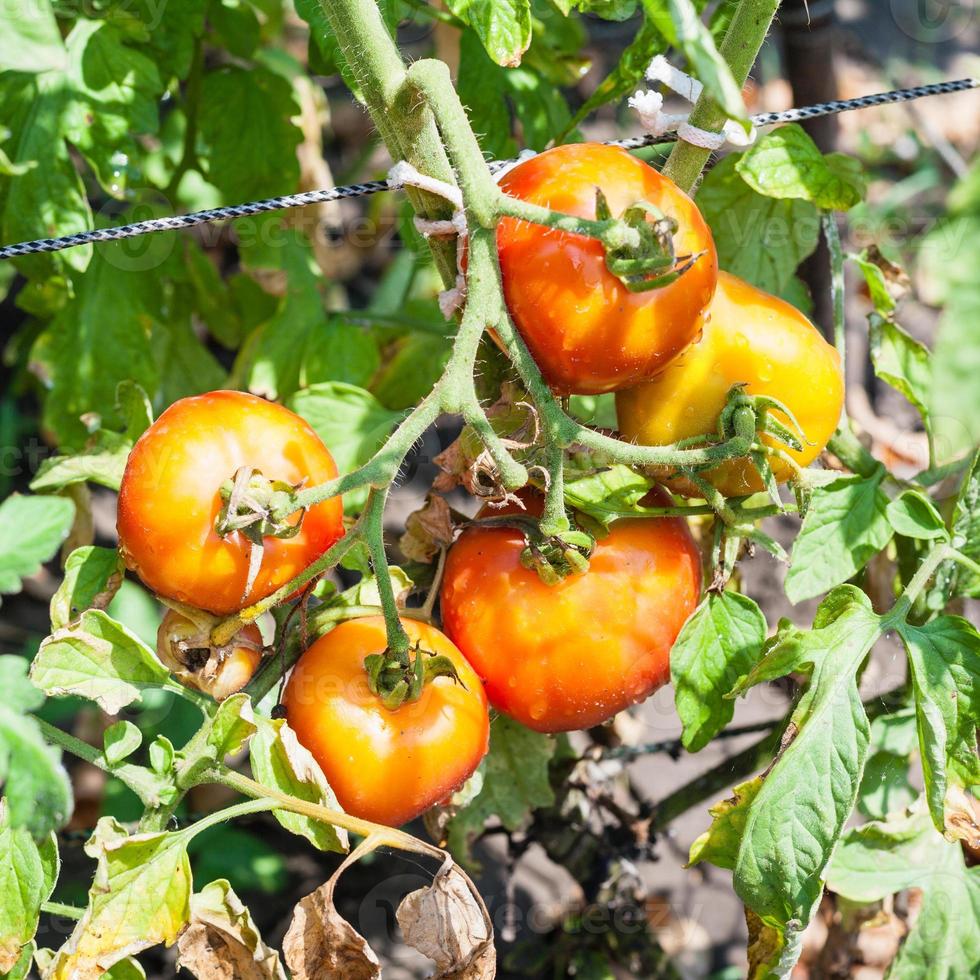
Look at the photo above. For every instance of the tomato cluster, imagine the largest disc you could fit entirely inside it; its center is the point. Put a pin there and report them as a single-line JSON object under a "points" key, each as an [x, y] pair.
{"points": [[556, 657]]}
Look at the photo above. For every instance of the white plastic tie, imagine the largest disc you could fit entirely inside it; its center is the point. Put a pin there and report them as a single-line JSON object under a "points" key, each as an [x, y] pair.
{"points": [[442, 227], [649, 107], [403, 174], [451, 300]]}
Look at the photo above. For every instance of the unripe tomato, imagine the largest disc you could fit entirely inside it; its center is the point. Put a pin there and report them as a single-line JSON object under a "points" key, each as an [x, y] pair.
{"points": [[387, 766], [588, 333], [169, 499], [184, 647], [568, 656], [748, 337]]}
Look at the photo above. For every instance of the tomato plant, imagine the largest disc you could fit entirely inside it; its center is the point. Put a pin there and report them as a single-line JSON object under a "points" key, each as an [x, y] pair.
{"points": [[369, 516], [386, 766], [753, 339], [569, 656], [587, 331]]}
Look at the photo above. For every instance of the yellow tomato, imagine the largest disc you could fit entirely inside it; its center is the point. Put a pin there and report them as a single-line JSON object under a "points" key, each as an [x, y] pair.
{"points": [[753, 338]]}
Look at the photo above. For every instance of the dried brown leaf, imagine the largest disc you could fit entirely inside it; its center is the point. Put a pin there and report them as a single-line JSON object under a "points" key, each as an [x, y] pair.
{"points": [[428, 530], [221, 941], [321, 945], [449, 923]]}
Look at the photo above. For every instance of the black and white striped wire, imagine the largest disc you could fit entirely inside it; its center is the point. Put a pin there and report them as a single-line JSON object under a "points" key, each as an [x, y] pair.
{"points": [[177, 222]]}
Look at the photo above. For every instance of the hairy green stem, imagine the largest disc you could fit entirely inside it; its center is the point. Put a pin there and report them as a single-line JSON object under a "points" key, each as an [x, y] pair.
{"points": [[388, 836], [59, 908], [832, 236], [925, 571], [374, 535], [139, 779], [740, 47], [406, 125]]}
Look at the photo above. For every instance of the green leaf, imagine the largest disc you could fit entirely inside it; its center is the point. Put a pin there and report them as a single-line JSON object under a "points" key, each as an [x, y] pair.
{"points": [[902, 362], [953, 579], [48, 199], [412, 371], [28, 872], [301, 344], [718, 644], [37, 790], [140, 897], [30, 40], [913, 515], [515, 782], [279, 761], [103, 462], [719, 844], [800, 811], [31, 531], [539, 105], [885, 786], [21, 970], [245, 120], [84, 354], [694, 39], [92, 577], [504, 26], [877, 285], [760, 239], [99, 659], [482, 87], [881, 858], [350, 420], [628, 72], [787, 164], [955, 395], [115, 92], [120, 741], [846, 525], [235, 26], [944, 662], [608, 494]]}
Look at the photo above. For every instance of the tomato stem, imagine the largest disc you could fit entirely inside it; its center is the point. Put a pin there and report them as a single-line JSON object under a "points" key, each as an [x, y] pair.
{"points": [[740, 47]]}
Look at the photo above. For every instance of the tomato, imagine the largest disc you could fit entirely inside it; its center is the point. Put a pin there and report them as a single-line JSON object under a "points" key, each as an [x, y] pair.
{"points": [[169, 499], [748, 337], [184, 647], [569, 656], [588, 333], [387, 766]]}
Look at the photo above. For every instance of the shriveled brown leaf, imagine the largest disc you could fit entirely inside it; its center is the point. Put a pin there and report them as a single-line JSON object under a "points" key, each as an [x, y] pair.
{"points": [[221, 942], [449, 923], [427, 530], [322, 945], [963, 820]]}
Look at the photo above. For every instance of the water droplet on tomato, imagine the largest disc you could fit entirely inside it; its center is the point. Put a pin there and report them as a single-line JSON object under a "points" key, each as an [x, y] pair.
{"points": [[537, 710]]}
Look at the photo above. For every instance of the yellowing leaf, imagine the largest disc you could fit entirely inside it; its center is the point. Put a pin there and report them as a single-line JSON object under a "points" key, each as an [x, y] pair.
{"points": [[140, 897]]}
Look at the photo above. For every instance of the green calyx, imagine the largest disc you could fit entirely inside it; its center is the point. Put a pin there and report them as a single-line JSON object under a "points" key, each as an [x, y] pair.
{"points": [[250, 504], [399, 680], [640, 246]]}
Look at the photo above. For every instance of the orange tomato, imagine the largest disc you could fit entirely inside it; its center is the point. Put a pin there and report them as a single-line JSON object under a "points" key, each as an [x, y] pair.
{"points": [[169, 499], [387, 766], [569, 656], [753, 338], [588, 333]]}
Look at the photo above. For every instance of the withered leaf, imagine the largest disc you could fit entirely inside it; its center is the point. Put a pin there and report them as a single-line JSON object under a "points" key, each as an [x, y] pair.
{"points": [[449, 923], [321, 945], [221, 942], [428, 530]]}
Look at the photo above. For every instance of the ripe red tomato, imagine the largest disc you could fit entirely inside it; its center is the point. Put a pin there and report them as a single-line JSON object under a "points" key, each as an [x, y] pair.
{"points": [[169, 499], [588, 333], [387, 766], [568, 656], [751, 337]]}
